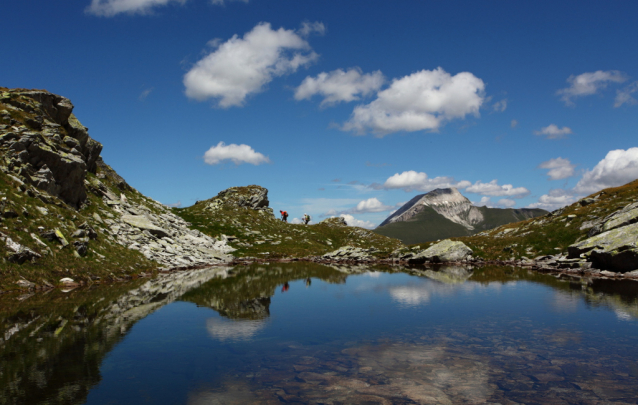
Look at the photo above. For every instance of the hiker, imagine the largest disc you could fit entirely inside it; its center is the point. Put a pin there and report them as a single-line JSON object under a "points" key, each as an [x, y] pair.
{"points": [[284, 215], [306, 219]]}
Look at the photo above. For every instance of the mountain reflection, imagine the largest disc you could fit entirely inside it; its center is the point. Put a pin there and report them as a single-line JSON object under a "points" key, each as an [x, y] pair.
{"points": [[246, 293], [52, 345]]}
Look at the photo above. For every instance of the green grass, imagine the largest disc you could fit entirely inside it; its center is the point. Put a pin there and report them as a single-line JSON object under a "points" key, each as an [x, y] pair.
{"points": [[260, 234]]}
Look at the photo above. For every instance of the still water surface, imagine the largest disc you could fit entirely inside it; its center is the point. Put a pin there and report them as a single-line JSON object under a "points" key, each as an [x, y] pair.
{"points": [[308, 333]]}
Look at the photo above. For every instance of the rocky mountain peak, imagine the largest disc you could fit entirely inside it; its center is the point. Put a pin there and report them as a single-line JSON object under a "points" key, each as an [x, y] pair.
{"points": [[448, 202]]}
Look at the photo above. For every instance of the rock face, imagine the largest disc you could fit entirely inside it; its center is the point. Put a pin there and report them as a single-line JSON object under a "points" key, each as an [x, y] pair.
{"points": [[253, 197], [47, 147], [614, 244], [442, 252], [65, 194], [156, 232]]}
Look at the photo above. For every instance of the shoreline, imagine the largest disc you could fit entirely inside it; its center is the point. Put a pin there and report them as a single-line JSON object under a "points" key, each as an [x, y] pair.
{"points": [[572, 273]]}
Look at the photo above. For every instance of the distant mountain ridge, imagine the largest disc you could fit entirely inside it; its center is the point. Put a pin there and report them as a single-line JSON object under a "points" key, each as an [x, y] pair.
{"points": [[446, 213]]}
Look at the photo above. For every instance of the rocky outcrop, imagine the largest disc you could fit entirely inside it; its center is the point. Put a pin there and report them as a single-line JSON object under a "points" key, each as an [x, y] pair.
{"points": [[159, 234], [252, 197], [442, 252], [334, 221], [350, 253], [69, 198], [614, 250], [45, 145]]}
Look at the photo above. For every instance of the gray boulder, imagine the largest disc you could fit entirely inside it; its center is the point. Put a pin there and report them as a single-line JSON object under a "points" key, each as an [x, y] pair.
{"points": [[18, 253], [141, 222], [615, 250], [626, 216], [444, 251]]}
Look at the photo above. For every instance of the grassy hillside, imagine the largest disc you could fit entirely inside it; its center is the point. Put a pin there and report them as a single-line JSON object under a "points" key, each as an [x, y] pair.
{"points": [[551, 233], [26, 212], [428, 225], [498, 216], [257, 233]]}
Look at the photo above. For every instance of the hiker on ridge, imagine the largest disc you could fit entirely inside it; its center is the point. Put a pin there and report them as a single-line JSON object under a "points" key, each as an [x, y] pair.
{"points": [[284, 215]]}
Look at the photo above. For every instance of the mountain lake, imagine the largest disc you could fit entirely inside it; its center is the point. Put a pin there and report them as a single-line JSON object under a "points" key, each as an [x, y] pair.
{"points": [[305, 333]]}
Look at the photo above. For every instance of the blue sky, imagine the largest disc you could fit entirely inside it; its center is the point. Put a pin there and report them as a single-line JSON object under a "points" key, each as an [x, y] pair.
{"points": [[343, 107]]}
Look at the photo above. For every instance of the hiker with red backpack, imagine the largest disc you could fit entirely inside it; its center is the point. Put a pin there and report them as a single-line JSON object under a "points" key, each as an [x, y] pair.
{"points": [[284, 215]]}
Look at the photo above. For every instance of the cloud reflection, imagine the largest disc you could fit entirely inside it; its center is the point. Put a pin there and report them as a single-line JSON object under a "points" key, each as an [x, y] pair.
{"points": [[225, 329]]}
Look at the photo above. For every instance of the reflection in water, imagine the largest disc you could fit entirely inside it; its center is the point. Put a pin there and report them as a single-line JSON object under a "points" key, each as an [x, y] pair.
{"points": [[363, 348], [564, 302], [223, 329]]}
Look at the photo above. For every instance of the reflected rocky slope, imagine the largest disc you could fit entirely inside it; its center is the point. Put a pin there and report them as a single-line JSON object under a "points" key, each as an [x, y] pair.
{"points": [[52, 345]]}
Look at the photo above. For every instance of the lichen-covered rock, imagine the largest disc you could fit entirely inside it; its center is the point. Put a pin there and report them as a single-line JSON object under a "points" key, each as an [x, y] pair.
{"points": [[347, 253], [334, 221], [253, 197], [615, 250], [444, 251], [627, 215], [47, 146]]}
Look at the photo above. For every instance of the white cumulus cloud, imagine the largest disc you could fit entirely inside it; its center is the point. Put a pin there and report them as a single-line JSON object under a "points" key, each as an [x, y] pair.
{"points": [[371, 205], [485, 202], [553, 132], [363, 207], [494, 189], [555, 199], [411, 180], [617, 168], [559, 168], [240, 67], [624, 96], [352, 221], [589, 83], [109, 8], [238, 154], [424, 100], [339, 85], [506, 203]]}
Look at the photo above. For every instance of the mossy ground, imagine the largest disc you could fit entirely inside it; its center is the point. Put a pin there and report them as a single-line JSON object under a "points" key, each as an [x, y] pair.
{"points": [[105, 259], [550, 234], [259, 234]]}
